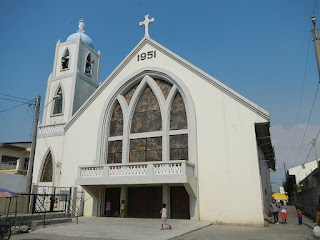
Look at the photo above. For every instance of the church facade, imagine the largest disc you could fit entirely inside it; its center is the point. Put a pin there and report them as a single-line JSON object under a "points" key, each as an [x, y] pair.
{"points": [[157, 130]]}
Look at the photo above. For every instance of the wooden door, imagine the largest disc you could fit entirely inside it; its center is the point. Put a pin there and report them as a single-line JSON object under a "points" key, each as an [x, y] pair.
{"points": [[179, 203], [113, 194], [144, 202]]}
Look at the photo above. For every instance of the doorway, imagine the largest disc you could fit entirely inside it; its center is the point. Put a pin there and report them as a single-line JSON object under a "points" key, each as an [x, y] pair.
{"points": [[179, 199], [144, 202], [113, 194]]}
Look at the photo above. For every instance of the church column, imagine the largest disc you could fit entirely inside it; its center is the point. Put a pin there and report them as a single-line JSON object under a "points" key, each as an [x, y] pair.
{"points": [[166, 198], [123, 196]]}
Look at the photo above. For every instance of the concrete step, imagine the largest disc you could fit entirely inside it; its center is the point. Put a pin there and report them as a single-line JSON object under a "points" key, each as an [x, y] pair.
{"points": [[39, 223]]}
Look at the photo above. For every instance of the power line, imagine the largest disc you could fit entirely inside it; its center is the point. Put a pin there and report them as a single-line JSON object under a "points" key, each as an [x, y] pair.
{"points": [[15, 97], [301, 97], [309, 153], [305, 131], [13, 107], [314, 7], [8, 99]]}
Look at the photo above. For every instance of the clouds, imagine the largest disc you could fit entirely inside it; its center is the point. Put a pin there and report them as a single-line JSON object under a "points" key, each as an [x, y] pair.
{"points": [[287, 143]]}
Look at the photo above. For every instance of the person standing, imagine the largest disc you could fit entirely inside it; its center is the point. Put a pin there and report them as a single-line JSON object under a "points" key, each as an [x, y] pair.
{"points": [[108, 208], [274, 209], [122, 208], [318, 216], [299, 214], [283, 212], [163, 213]]}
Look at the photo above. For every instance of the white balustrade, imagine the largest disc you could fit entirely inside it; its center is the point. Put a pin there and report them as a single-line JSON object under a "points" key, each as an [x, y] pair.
{"points": [[167, 168], [138, 169], [51, 129], [128, 170], [91, 172]]}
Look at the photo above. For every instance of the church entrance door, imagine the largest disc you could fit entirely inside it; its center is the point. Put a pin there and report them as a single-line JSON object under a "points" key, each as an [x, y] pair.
{"points": [[144, 202], [113, 194], [179, 200]]}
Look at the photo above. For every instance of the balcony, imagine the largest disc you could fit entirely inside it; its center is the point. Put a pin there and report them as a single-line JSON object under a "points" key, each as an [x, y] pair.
{"points": [[177, 171]]}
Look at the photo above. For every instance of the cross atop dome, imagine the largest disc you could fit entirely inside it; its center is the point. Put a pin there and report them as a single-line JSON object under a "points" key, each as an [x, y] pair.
{"points": [[146, 25], [81, 26]]}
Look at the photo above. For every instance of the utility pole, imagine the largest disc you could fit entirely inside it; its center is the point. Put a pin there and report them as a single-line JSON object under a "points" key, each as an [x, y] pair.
{"points": [[32, 153], [316, 42]]}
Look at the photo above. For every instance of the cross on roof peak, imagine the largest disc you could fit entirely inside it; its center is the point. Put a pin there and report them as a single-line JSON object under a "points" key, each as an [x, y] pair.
{"points": [[146, 25]]}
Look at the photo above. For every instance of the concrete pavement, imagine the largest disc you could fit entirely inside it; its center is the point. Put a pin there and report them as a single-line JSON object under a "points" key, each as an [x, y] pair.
{"points": [[133, 229]]}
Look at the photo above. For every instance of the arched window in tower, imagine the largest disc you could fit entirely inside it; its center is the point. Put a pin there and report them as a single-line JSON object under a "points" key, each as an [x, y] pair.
{"points": [[88, 67], [58, 100], [65, 60], [46, 175]]}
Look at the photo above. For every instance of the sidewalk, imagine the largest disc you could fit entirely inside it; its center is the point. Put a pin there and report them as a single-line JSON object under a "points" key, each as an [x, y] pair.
{"points": [[292, 230], [135, 228]]}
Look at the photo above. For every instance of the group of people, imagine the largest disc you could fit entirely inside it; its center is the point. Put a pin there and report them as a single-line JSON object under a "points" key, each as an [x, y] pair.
{"points": [[275, 208], [116, 214]]}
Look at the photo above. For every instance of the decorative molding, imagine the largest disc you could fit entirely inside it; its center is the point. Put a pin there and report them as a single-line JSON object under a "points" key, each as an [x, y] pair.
{"points": [[42, 130]]}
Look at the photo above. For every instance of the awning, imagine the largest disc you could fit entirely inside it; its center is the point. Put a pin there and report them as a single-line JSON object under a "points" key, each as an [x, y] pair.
{"points": [[264, 142]]}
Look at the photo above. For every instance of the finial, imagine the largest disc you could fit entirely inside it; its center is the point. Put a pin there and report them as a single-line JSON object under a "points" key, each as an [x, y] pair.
{"points": [[146, 25], [81, 26]]}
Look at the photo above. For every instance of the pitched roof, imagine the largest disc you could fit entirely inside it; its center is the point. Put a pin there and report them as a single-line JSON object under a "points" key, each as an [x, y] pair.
{"points": [[146, 40]]}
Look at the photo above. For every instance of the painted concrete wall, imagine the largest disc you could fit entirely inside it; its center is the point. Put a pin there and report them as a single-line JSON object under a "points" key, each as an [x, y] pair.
{"points": [[13, 182], [302, 171], [228, 167]]}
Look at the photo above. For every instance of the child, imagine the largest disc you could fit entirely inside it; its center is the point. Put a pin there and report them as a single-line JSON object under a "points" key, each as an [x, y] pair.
{"points": [[122, 208], [108, 208], [299, 214], [163, 213]]}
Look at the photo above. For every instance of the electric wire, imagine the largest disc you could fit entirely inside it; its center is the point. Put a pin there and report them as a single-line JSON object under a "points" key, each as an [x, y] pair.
{"points": [[314, 7], [13, 107], [305, 131], [301, 97], [15, 97], [8, 99], [309, 153]]}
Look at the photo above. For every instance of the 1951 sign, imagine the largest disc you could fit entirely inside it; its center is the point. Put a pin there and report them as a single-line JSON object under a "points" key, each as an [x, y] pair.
{"points": [[147, 55]]}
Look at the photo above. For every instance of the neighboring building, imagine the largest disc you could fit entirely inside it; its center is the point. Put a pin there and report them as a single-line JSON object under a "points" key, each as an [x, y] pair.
{"points": [[302, 171], [311, 181], [158, 129], [14, 157]]}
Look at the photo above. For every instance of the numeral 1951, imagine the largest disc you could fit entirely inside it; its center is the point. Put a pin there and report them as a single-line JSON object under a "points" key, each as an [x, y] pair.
{"points": [[148, 55]]}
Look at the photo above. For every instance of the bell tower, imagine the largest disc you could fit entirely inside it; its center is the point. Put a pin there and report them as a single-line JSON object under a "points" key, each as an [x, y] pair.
{"points": [[74, 77]]}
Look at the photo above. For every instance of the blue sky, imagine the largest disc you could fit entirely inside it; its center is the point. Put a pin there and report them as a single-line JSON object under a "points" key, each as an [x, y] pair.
{"points": [[258, 48]]}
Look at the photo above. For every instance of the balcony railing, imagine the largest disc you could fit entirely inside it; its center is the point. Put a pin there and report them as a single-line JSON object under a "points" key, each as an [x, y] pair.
{"points": [[137, 169]]}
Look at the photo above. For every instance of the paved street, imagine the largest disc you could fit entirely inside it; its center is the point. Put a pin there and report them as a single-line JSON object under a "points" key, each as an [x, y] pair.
{"points": [[117, 228]]}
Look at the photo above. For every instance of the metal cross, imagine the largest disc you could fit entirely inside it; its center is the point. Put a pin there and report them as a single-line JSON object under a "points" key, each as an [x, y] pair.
{"points": [[146, 24]]}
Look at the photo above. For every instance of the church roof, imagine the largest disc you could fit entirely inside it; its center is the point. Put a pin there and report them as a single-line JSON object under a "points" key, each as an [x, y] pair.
{"points": [[147, 40], [80, 34], [84, 37]]}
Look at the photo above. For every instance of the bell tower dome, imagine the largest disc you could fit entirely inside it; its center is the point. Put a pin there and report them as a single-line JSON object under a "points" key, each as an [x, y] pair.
{"points": [[74, 78]]}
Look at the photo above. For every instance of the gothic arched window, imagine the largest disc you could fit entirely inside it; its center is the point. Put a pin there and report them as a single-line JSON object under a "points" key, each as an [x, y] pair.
{"points": [[149, 120], [88, 67], [65, 60], [58, 100], [46, 175]]}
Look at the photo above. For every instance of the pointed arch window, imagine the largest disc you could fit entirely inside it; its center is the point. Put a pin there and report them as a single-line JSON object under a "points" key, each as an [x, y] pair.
{"points": [[58, 101], [89, 63], [46, 174], [65, 60], [153, 123]]}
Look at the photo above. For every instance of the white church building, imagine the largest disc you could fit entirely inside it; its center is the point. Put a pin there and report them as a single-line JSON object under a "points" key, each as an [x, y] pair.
{"points": [[157, 130]]}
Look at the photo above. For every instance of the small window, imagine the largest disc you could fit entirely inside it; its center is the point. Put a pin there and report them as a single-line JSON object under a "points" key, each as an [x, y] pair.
{"points": [[88, 68], [57, 109], [65, 60], [47, 170]]}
